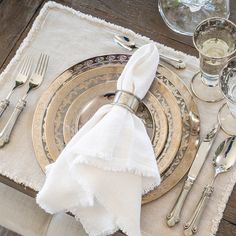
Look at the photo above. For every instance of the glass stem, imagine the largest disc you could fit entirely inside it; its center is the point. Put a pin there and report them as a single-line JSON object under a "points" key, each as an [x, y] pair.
{"points": [[208, 80]]}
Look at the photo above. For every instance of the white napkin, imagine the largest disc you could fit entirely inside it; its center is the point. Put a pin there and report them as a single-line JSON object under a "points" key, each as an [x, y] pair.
{"points": [[102, 173]]}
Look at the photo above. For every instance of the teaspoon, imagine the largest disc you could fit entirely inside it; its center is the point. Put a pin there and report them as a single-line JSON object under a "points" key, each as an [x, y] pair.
{"points": [[224, 159], [130, 45]]}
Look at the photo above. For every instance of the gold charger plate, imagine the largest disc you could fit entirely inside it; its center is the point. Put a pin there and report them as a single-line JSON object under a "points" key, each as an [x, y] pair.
{"points": [[185, 152]]}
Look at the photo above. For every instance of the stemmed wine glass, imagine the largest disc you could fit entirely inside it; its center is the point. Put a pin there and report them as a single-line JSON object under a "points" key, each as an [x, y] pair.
{"points": [[227, 113], [214, 38]]}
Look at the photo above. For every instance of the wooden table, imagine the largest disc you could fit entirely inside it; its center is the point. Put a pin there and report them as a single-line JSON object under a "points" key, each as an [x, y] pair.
{"points": [[17, 16]]}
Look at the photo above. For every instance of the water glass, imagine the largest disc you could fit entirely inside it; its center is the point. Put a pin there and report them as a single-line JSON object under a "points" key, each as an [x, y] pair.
{"points": [[183, 16], [227, 113]]}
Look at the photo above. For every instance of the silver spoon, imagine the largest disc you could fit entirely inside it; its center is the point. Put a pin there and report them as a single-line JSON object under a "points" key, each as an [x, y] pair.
{"points": [[224, 159], [130, 45]]}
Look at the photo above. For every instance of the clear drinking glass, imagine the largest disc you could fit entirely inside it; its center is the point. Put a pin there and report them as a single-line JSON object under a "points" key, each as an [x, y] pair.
{"points": [[183, 16], [214, 38], [227, 113]]}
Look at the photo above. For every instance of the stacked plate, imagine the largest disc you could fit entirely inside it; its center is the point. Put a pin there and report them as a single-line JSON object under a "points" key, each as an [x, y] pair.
{"points": [[168, 112]]}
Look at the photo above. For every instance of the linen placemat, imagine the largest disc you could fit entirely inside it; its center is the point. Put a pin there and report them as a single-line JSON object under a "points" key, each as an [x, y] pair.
{"points": [[69, 36]]}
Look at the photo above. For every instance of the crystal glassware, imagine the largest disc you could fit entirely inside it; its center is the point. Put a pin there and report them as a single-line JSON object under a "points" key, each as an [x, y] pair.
{"points": [[182, 16], [215, 40], [227, 113]]}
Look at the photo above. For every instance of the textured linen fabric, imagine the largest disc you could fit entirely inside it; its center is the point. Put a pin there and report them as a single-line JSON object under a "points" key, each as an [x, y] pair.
{"points": [[68, 37], [110, 155]]}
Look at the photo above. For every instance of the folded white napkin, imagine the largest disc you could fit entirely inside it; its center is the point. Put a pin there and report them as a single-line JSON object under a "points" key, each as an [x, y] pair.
{"points": [[102, 173]]}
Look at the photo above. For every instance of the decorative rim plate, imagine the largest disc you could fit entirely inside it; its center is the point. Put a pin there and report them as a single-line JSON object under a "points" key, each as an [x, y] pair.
{"points": [[92, 83], [168, 83]]}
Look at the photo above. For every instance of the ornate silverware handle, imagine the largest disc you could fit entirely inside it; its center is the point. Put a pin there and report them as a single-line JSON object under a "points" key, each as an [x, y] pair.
{"points": [[3, 105], [6, 132], [178, 64], [191, 227], [174, 216]]}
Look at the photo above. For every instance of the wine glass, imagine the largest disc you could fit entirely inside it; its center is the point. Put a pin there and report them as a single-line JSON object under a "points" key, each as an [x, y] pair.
{"points": [[214, 38], [182, 16], [227, 113]]}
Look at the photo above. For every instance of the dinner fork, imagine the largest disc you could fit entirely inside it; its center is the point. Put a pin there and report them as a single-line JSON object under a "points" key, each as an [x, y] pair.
{"points": [[34, 82], [21, 78]]}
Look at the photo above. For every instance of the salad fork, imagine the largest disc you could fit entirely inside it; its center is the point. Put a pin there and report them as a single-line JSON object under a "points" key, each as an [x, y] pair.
{"points": [[21, 78], [34, 82]]}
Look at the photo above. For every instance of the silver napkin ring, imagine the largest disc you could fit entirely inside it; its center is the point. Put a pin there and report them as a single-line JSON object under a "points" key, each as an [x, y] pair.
{"points": [[126, 100]]}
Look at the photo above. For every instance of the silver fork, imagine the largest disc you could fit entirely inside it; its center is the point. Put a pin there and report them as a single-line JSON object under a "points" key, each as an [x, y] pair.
{"points": [[34, 82], [21, 78]]}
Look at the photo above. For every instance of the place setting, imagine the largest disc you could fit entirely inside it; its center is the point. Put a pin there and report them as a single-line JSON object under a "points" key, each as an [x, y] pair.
{"points": [[121, 133]]}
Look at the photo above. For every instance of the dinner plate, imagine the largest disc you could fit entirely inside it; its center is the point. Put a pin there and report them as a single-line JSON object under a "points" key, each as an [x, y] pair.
{"points": [[82, 109], [165, 113]]}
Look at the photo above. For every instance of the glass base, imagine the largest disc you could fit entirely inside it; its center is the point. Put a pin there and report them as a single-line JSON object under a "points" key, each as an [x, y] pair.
{"points": [[204, 92], [227, 120]]}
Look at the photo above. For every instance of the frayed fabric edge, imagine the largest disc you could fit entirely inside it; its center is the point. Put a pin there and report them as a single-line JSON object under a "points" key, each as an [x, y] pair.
{"points": [[137, 170], [133, 170], [222, 204]]}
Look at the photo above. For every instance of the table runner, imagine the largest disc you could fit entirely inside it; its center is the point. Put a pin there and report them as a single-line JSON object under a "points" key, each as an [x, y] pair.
{"points": [[69, 36]]}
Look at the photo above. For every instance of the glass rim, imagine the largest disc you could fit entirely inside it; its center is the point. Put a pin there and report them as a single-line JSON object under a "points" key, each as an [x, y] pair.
{"points": [[207, 20], [220, 80]]}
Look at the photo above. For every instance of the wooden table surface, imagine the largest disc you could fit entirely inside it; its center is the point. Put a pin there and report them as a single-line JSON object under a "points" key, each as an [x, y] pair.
{"points": [[142, 16]]}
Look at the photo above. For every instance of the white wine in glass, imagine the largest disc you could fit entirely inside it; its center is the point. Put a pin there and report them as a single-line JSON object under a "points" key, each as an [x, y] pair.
{"points": [[214, 38]]}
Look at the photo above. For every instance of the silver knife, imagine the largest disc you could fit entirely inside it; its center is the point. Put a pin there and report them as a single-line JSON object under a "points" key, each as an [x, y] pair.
{"points": [[203, 150], [34, 82]]}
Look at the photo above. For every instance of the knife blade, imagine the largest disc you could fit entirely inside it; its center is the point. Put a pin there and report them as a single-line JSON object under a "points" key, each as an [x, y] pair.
{"points": [[205, 146]]}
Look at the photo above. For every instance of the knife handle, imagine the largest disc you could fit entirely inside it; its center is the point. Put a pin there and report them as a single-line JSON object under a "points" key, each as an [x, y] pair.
{"points": [[191, 227], [174, 216], [6, 132], [3, 105]]}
